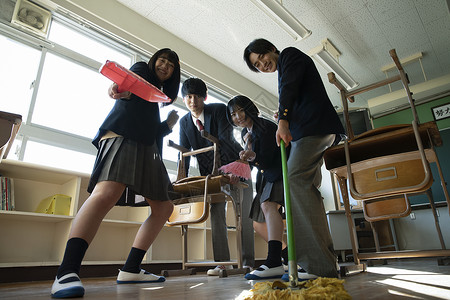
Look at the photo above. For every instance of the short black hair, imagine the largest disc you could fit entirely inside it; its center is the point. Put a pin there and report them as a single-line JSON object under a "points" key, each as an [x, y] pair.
{"points": [[258, 46], [194, 86], [250, 109]]}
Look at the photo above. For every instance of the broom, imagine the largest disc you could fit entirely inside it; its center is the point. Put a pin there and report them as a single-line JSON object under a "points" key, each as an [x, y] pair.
{"points": [[239, 167], [292, 257]]}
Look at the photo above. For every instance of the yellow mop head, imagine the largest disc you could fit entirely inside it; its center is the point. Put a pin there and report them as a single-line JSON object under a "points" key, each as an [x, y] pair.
{"points": [[320, 288]]}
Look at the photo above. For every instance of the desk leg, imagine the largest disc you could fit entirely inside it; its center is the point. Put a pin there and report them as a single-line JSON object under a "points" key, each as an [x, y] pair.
{"points": [[238, 215], [394, 235], [348, 214], [436, 219], [443, 183]]}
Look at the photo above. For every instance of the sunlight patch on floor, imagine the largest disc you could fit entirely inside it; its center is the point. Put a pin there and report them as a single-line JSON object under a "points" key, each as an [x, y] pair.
{"points": [[434, 280], [153, 288], [417, 288], [197, 285], [396, 271], [397, 293], [243, 295]]}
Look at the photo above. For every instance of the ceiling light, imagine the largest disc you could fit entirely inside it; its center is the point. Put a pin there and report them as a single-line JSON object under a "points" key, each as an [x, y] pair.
{"points": [[283, 18], [403, 62], [327, 55]]}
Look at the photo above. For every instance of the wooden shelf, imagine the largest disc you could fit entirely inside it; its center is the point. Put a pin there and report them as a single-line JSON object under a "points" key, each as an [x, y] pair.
{"points": [[35, 239]]}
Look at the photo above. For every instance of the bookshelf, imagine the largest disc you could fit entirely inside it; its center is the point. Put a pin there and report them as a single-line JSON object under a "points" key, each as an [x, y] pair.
{"points": [[38, 239]]}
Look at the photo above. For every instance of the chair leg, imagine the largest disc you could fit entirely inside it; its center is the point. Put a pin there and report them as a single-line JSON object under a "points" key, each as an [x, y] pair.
{"points": [[375, 237], [184, 247], [348, 214], [436, 220], [443, 183]]}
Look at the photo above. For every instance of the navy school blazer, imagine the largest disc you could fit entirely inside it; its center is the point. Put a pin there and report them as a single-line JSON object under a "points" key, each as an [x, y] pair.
{"points": [[217, 125], [303, 100]]}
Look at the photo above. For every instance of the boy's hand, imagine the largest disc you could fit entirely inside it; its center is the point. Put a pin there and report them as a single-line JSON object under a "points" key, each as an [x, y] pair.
{"points": [[172, 118], [283, 133], [233, 178]]}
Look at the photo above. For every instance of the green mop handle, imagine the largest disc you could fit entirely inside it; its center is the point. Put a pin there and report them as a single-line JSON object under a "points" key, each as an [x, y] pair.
{"points": [[293, 275]]}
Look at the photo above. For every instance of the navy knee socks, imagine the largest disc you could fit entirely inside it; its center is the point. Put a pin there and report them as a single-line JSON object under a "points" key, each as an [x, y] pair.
{"points": [[284, 255], [133, 263], [274, 255], [74, 254]]}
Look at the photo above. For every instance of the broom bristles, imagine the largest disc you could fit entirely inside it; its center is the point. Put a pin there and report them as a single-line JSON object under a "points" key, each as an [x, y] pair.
{"points": [[239, 168]]}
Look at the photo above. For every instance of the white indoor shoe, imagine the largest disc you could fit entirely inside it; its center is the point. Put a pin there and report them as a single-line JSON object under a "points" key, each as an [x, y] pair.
{"points": [[216, 270], [68, 286], [141, 277], [302, 276], [264, 272]]}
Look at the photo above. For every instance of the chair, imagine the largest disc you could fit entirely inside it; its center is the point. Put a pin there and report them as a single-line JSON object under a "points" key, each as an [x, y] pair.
{"points": [[383, 167], [9, 126], [194, 196]]}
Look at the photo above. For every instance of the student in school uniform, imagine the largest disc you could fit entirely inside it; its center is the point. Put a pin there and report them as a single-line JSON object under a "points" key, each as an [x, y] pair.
{"points": [[308, 122], [263, 153], [128, 157], [212, 118]]}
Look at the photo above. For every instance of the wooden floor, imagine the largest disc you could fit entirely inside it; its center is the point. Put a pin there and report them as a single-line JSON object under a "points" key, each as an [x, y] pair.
{"points": [[398, 279]]}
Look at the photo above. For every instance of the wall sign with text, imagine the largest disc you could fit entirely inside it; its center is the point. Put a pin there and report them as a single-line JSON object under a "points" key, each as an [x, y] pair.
{"points": [[441, 112]]}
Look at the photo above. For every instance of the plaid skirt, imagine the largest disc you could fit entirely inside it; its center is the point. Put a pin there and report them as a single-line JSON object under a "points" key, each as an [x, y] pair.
{"points": [[137, 166], [270, 191]]}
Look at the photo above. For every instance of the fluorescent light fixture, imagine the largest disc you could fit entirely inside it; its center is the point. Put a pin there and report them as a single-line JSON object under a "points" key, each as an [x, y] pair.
{"points": [[283, 18], [403, 62], [327, 55]]}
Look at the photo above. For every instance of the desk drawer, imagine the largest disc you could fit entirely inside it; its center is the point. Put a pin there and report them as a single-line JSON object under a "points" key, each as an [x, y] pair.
{"points": [[405, 174]]}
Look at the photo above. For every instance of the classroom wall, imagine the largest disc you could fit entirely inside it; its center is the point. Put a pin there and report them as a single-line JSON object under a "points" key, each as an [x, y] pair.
{"points": [[423, 112]]}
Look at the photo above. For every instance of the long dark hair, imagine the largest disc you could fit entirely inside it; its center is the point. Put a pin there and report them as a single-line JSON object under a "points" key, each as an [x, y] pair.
{"points": [[250, 109], [170, 86], [258, 46]]}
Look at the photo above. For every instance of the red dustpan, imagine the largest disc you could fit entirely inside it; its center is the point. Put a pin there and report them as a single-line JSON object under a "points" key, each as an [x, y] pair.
{"points": [[130, 81]]}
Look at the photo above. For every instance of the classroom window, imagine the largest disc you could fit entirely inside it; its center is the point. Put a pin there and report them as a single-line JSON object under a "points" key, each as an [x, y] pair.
{"points": [[71, 98], [19, 65], [57, 88], [86, 45], [58, 157]]}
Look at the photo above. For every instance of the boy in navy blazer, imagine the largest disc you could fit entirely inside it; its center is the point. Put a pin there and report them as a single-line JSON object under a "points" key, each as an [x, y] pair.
{"points": [[212, 117], [308, 122]]}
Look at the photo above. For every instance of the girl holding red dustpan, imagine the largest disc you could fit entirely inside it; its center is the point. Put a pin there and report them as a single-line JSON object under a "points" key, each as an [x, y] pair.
{"points": [[128, 156]]}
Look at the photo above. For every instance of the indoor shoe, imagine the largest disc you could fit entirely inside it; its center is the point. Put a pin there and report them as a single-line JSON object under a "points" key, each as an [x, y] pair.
{"points": [[68, 286], [299, 269], [216, 270], [264, 272], [248, 267], [141, 277], [302, 276]]}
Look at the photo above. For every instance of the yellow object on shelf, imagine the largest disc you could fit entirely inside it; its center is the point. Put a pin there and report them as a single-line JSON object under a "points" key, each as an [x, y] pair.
{"points": [[55, 205]]}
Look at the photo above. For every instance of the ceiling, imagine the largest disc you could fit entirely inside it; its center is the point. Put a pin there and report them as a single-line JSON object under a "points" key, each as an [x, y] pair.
{"points": [[362, 30]]}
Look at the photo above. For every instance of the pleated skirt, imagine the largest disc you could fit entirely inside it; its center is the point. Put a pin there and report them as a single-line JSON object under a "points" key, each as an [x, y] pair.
{"points": [[139, 167], [270, 191]]}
